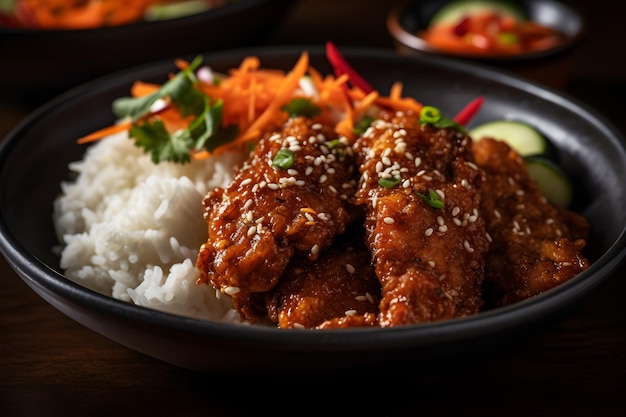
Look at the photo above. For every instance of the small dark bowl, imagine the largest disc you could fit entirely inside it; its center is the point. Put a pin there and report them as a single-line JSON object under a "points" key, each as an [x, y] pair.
{"points": [[549, 67], [34, 160], [40, 64]]}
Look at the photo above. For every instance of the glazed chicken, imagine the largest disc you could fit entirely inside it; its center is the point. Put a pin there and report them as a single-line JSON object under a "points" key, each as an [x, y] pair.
{"points": [[429, 260], [409, 224], [339, 289], [535, 245], [290, 198]]}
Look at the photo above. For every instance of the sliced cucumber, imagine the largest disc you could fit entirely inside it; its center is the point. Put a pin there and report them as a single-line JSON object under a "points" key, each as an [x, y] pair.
{"points": [[454, 11], [523, 138], [174, 10], [552, 181]]}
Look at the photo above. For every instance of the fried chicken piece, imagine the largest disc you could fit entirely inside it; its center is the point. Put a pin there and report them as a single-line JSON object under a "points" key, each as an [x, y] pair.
{"points": [[269, 213], [430, 261], [536, 245], [340, 289]]}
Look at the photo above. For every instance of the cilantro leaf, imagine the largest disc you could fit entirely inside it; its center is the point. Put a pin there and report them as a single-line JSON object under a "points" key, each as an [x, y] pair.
{"points": [[180, 89], [154, 139], [301, 106]]}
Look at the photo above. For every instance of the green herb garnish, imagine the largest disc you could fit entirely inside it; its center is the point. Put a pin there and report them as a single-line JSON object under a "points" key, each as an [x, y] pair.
{"points": [[432, 199], [362, 124], [301, 106], [389, 182], [284, 159], [430, 115], [203, 133]]}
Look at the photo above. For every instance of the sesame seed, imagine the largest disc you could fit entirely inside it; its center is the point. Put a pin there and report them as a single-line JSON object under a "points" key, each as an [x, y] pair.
{"points": [[273, 186], [406, 183], [350, 268], [456, 210], [389, 220], [249, 216], [429, 231], [231, 290], [251, 230], [350, 312], [443, 229], [323, 216], [418, 162], [323, 178], [315, 249], [255, 188], [308, 170], [488, 236], [248, 204], [246, 181], [431, 264], [332, 189], [467, 247]]}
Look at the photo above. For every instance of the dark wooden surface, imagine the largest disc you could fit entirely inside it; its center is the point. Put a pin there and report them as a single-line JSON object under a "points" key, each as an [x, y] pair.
{"points": [[52, 366]]}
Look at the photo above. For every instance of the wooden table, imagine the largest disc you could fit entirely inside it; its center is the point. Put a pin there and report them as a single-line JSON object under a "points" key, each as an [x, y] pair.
{"points": [[52, 366]]}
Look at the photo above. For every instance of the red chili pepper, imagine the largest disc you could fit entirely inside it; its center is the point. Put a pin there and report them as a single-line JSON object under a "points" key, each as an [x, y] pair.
{"points": [[469, 111], [341, 66]]}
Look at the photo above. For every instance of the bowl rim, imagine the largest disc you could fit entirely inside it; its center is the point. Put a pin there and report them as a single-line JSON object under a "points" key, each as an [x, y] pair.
{"points": [[402, 36], [42, 277]]}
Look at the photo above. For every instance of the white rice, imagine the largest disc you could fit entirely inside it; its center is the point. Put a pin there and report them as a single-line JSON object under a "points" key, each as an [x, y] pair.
{"points": [[132, 229]]}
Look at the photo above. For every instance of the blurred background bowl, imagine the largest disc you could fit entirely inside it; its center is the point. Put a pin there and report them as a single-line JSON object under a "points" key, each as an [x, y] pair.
{"points": [[549, 67], [37, 65]]}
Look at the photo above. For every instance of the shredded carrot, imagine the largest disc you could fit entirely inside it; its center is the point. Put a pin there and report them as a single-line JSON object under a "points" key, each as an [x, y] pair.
{"points": [[141, 89], [273, 111], [81, 14], [397, 102], [99, 134], [253, 98]]}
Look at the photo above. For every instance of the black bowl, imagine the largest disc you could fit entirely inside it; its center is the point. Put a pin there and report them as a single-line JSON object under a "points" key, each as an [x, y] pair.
{"points": [[549, 67], [35, 155], [40, 64]]}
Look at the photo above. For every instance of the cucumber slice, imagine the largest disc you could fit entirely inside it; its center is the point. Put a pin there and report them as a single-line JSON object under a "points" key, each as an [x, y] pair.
{"points": [[176, 10], [523, 138], [552, 181], [454, 11]]}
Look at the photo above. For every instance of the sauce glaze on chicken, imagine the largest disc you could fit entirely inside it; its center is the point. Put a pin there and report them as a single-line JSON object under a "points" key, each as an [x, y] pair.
{"points": [[346, 236]]}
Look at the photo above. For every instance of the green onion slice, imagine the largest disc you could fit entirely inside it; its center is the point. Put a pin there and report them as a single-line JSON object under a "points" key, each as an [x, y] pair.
{"points": [[284, 159]]}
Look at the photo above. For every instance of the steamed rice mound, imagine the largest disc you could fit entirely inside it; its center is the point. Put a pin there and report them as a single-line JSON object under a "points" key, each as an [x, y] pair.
{"points": [[131, 229]]}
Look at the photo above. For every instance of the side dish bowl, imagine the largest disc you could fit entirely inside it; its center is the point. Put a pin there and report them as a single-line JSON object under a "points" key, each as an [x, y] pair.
{"points": [[549, 66], [39, 64], [34, 160]]}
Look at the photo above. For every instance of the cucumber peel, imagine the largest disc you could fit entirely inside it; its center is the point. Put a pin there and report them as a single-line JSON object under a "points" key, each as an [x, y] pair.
{"points": [[454, 11], [551, 180], [523, 138]]}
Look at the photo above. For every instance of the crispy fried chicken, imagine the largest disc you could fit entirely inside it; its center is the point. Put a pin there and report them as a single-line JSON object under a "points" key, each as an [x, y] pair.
{"points": [[290, 198], [535, 245], [339, 289], [430, 261]]}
